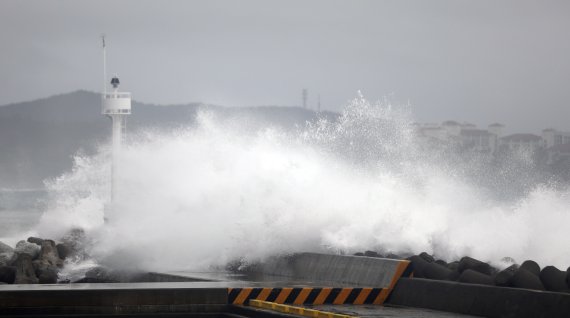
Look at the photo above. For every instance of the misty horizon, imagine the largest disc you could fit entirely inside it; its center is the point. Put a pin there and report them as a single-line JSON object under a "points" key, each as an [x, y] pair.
{"points": [[312, 108], [470, 61]]}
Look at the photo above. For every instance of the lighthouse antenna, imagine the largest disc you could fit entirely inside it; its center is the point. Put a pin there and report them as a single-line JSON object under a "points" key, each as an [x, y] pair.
{"points": [[104, 64]]}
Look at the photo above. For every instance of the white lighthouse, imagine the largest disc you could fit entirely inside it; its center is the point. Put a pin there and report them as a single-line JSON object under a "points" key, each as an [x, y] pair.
{"points": [[115, 105]]}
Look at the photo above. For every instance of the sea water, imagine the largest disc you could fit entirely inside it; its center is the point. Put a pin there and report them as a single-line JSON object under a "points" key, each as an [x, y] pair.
{"points": [[220, 191]]}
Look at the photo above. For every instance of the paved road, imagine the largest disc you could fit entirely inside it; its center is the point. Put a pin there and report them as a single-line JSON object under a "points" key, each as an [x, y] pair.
{"points": [[365, 311]]}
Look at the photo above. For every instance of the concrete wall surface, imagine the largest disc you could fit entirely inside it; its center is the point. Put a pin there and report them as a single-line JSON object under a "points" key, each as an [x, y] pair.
{"points": [[74, 300], [479, 300], [352, 270]]}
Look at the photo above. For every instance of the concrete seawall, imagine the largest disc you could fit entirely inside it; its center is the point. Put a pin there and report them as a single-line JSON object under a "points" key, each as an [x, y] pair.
{"points": [[479, 300], [338, 269], [309, 279], [332, 279], [109, 299], [302, 279]]}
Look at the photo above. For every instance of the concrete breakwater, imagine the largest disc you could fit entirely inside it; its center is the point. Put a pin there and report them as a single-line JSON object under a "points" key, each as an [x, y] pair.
{"points": [[39, 261], [336, 269], [304, 279], [35, 261], [527, 275], [42, 261], [470, 286]]}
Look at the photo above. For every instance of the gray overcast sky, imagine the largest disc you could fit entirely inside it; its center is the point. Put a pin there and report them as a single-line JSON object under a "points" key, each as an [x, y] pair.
{"points": [[478, 61]]}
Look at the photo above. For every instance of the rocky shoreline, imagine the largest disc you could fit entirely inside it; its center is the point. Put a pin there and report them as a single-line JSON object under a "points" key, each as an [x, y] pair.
{"points": [[34, 261], [528, 275], [41, 261], [46, 261]]}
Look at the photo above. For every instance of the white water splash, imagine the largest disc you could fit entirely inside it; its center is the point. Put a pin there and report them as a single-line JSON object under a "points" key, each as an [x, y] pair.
{"points": [[207, 195]]}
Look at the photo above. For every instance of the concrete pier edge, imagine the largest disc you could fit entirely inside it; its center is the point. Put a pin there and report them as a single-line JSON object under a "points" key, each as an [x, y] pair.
{"points": [[200, 298], [479, 300]]}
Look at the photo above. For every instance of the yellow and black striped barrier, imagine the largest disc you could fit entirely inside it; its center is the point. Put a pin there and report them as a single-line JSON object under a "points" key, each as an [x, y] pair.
{"points": [[319, 296], [295, 310], [309, 295]]}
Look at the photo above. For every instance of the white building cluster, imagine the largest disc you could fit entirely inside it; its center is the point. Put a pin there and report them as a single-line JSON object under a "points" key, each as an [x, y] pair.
{"points": [[553, 143]]}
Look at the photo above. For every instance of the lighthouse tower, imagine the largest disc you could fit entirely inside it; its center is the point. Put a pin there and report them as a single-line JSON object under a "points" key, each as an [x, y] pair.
{"points": [[115, 105]]}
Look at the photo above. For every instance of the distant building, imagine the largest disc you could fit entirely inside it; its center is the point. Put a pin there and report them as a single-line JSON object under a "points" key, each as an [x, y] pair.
{"points": [[464, 135], [452, 127], [432, 131], [517, 142], [557, 146], [552, 137], [468, 137], [558, 154], [552, 147], [496, 129], [478, 140]]}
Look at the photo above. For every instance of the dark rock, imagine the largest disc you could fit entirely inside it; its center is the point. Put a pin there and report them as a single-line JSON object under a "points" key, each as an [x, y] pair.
{"points": [[6, 259], [35, 240], [44, 268], [4, 248], [531, 266], [47, 266], [64, 250], [91, 280], [359, 254], [454, 266], [473, 264], [100, 274], [25, 273], [525, 279], [470, 276], [76, 235], [504, 277], [508, 260], [23, 247], [372, 254], [418, 265], [441, 262], [553, 279], [437, 271], [48, 275], [77, 240], [236, 265], [7, 274], [6, 254], [428, 258], [393, 256], [49, 254]]}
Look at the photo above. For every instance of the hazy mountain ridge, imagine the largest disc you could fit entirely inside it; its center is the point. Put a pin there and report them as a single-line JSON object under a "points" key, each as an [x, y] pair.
{"points": [[39, 138]]}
